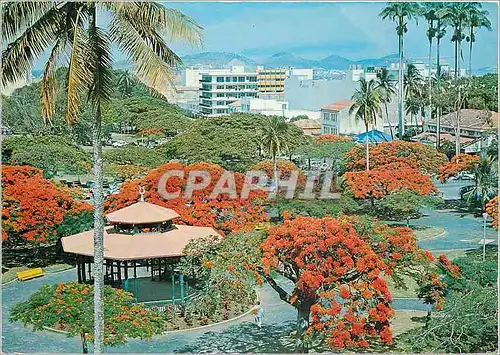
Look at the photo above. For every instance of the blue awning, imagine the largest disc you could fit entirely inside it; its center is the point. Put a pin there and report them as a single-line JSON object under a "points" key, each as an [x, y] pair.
{"points": [[373, 136]]}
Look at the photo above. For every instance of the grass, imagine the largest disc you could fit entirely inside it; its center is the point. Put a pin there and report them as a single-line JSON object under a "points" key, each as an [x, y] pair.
{"points": [[11, 274], [406, 320], [402, 293]]}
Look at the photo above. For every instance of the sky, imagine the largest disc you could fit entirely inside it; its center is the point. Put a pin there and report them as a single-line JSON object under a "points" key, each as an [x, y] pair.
{"points": [[316, 30]]}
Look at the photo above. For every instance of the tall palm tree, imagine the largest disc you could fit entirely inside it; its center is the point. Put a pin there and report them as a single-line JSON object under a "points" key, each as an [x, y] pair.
{"points": [[428, 11], [125, 83], [457, 15], [400, 12], [387, 89], [70, 31], [366, 108], [275, 135], [441, 25], [477, 19], [485, 182]]}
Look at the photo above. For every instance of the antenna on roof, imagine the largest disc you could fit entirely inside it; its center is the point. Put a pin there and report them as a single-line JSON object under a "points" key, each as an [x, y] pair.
{"points": [[142, 190]]}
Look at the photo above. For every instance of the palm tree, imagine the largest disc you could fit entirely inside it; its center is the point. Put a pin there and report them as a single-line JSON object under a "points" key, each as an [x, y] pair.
{"points": [[125, 83], [400, 12], [366, 107], [486, 182], [477, 19], [428, 11], [414, 91], [71, 28], [387, 89], [457, 15], [274, 139]]}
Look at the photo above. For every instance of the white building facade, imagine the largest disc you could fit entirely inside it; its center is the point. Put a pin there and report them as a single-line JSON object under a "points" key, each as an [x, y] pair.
{"points": [[335, 119], [220, 88]]}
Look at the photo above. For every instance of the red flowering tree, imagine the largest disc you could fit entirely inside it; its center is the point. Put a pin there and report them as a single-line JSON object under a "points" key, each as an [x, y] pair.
{"points": [[223, 212], [379, 182], [69, 307], [492, 210], [414, 155], [331, 138], [459, 163], [284, 167], [336, 267], [34, 207]]}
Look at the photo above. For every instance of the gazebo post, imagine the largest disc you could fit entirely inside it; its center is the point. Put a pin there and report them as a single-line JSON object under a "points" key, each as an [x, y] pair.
{"points": [[78, 269], [152, 272], [173, 287], [181, 282], [90, 269], [119, 266], [135, 269], [125, 269], [83, 272]]}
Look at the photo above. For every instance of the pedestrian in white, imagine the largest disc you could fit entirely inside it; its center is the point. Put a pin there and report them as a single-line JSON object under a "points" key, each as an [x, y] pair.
{"points": [[259, 313]]}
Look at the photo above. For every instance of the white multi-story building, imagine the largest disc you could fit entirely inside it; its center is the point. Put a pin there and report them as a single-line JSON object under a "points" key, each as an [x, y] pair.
{"points": [[220, 88], [269, 107]]}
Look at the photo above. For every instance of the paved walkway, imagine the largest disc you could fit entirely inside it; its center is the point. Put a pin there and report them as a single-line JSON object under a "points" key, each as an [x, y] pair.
{"points": [[240, 336]]}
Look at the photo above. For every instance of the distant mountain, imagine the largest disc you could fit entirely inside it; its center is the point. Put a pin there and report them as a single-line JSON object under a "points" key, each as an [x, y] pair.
{"points": [[216, 60], [335, 62], [285, 59], [378, 62]]}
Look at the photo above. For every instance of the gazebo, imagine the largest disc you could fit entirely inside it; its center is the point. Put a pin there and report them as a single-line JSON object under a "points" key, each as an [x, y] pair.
{"points": [[141, 248]]}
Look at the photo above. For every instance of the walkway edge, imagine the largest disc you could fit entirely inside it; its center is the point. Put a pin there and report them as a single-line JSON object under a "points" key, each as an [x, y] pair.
{"points": [[174, 331], [50, 273], [433, 237]]}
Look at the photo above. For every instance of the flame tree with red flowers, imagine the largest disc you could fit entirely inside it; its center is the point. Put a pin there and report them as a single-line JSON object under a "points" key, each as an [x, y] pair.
{"points": [[34, 207], [415, 155], [492, 211], [380, 182], [285, 169], [224, 213], [457, 164], [331, 138], [336, 267]]}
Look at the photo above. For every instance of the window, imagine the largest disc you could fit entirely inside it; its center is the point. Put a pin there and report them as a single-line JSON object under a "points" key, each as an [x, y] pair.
{"points": [[228, 79], [283, 106], [220, 79], [220, 94], [241, 79], [220, 87], [235, 79], [220, 103]]}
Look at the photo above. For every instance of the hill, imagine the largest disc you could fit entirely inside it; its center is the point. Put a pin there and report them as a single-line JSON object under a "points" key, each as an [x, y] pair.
{"points": [[216, 60]]}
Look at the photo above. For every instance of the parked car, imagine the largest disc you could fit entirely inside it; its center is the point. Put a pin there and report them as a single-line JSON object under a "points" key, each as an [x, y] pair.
{"points": [[119, 144], [465, 176]]}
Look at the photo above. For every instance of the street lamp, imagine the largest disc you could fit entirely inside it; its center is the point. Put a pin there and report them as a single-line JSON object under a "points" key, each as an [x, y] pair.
{"points": [[485, 218]]}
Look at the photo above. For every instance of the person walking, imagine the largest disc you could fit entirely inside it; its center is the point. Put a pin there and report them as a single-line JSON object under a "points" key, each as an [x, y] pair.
{"points": [[259, 313]]}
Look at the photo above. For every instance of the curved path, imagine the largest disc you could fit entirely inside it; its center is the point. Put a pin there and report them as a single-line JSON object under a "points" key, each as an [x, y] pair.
{"points": [[238, 336]]}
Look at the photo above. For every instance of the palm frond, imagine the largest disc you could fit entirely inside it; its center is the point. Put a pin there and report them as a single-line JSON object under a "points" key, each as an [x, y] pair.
{"points": [[100, 64], [17, 16], [79, 76], [167, 22], [153, 61], [33, 42], [49, 83]]}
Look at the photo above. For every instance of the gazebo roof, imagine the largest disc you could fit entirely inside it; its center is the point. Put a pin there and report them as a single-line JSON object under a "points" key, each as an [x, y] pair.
{"points": [[141, 213], [118, 246]]}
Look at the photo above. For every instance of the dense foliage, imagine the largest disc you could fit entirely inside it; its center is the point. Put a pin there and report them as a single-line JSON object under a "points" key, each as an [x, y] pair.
{"points": [[468, 320], [223, 272], [52, 154], [414, 155], [380, 182], [344, 292], [402, 205], [492, 210], [224, 213], [284, 169], [459, 163], [69, 307], [33, 207], [134, 155]]}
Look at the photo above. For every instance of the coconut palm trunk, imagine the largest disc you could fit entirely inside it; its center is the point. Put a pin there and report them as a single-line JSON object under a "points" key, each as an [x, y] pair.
{"points": [[98, 234], [388, 120], [367, 149], [275, 171], [438, 83], [401, 123], [430, 82]]}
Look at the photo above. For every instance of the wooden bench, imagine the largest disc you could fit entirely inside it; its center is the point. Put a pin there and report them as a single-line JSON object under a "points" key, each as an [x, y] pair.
{"points": [[30, 274]]}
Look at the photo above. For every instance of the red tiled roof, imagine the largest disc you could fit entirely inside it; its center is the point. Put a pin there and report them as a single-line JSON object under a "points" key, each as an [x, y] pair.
{"points": [[338, 105]]}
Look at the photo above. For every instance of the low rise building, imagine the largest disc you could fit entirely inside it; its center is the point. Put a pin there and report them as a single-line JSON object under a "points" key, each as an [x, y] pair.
{"points": [[310, 127], [336, 119]]}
